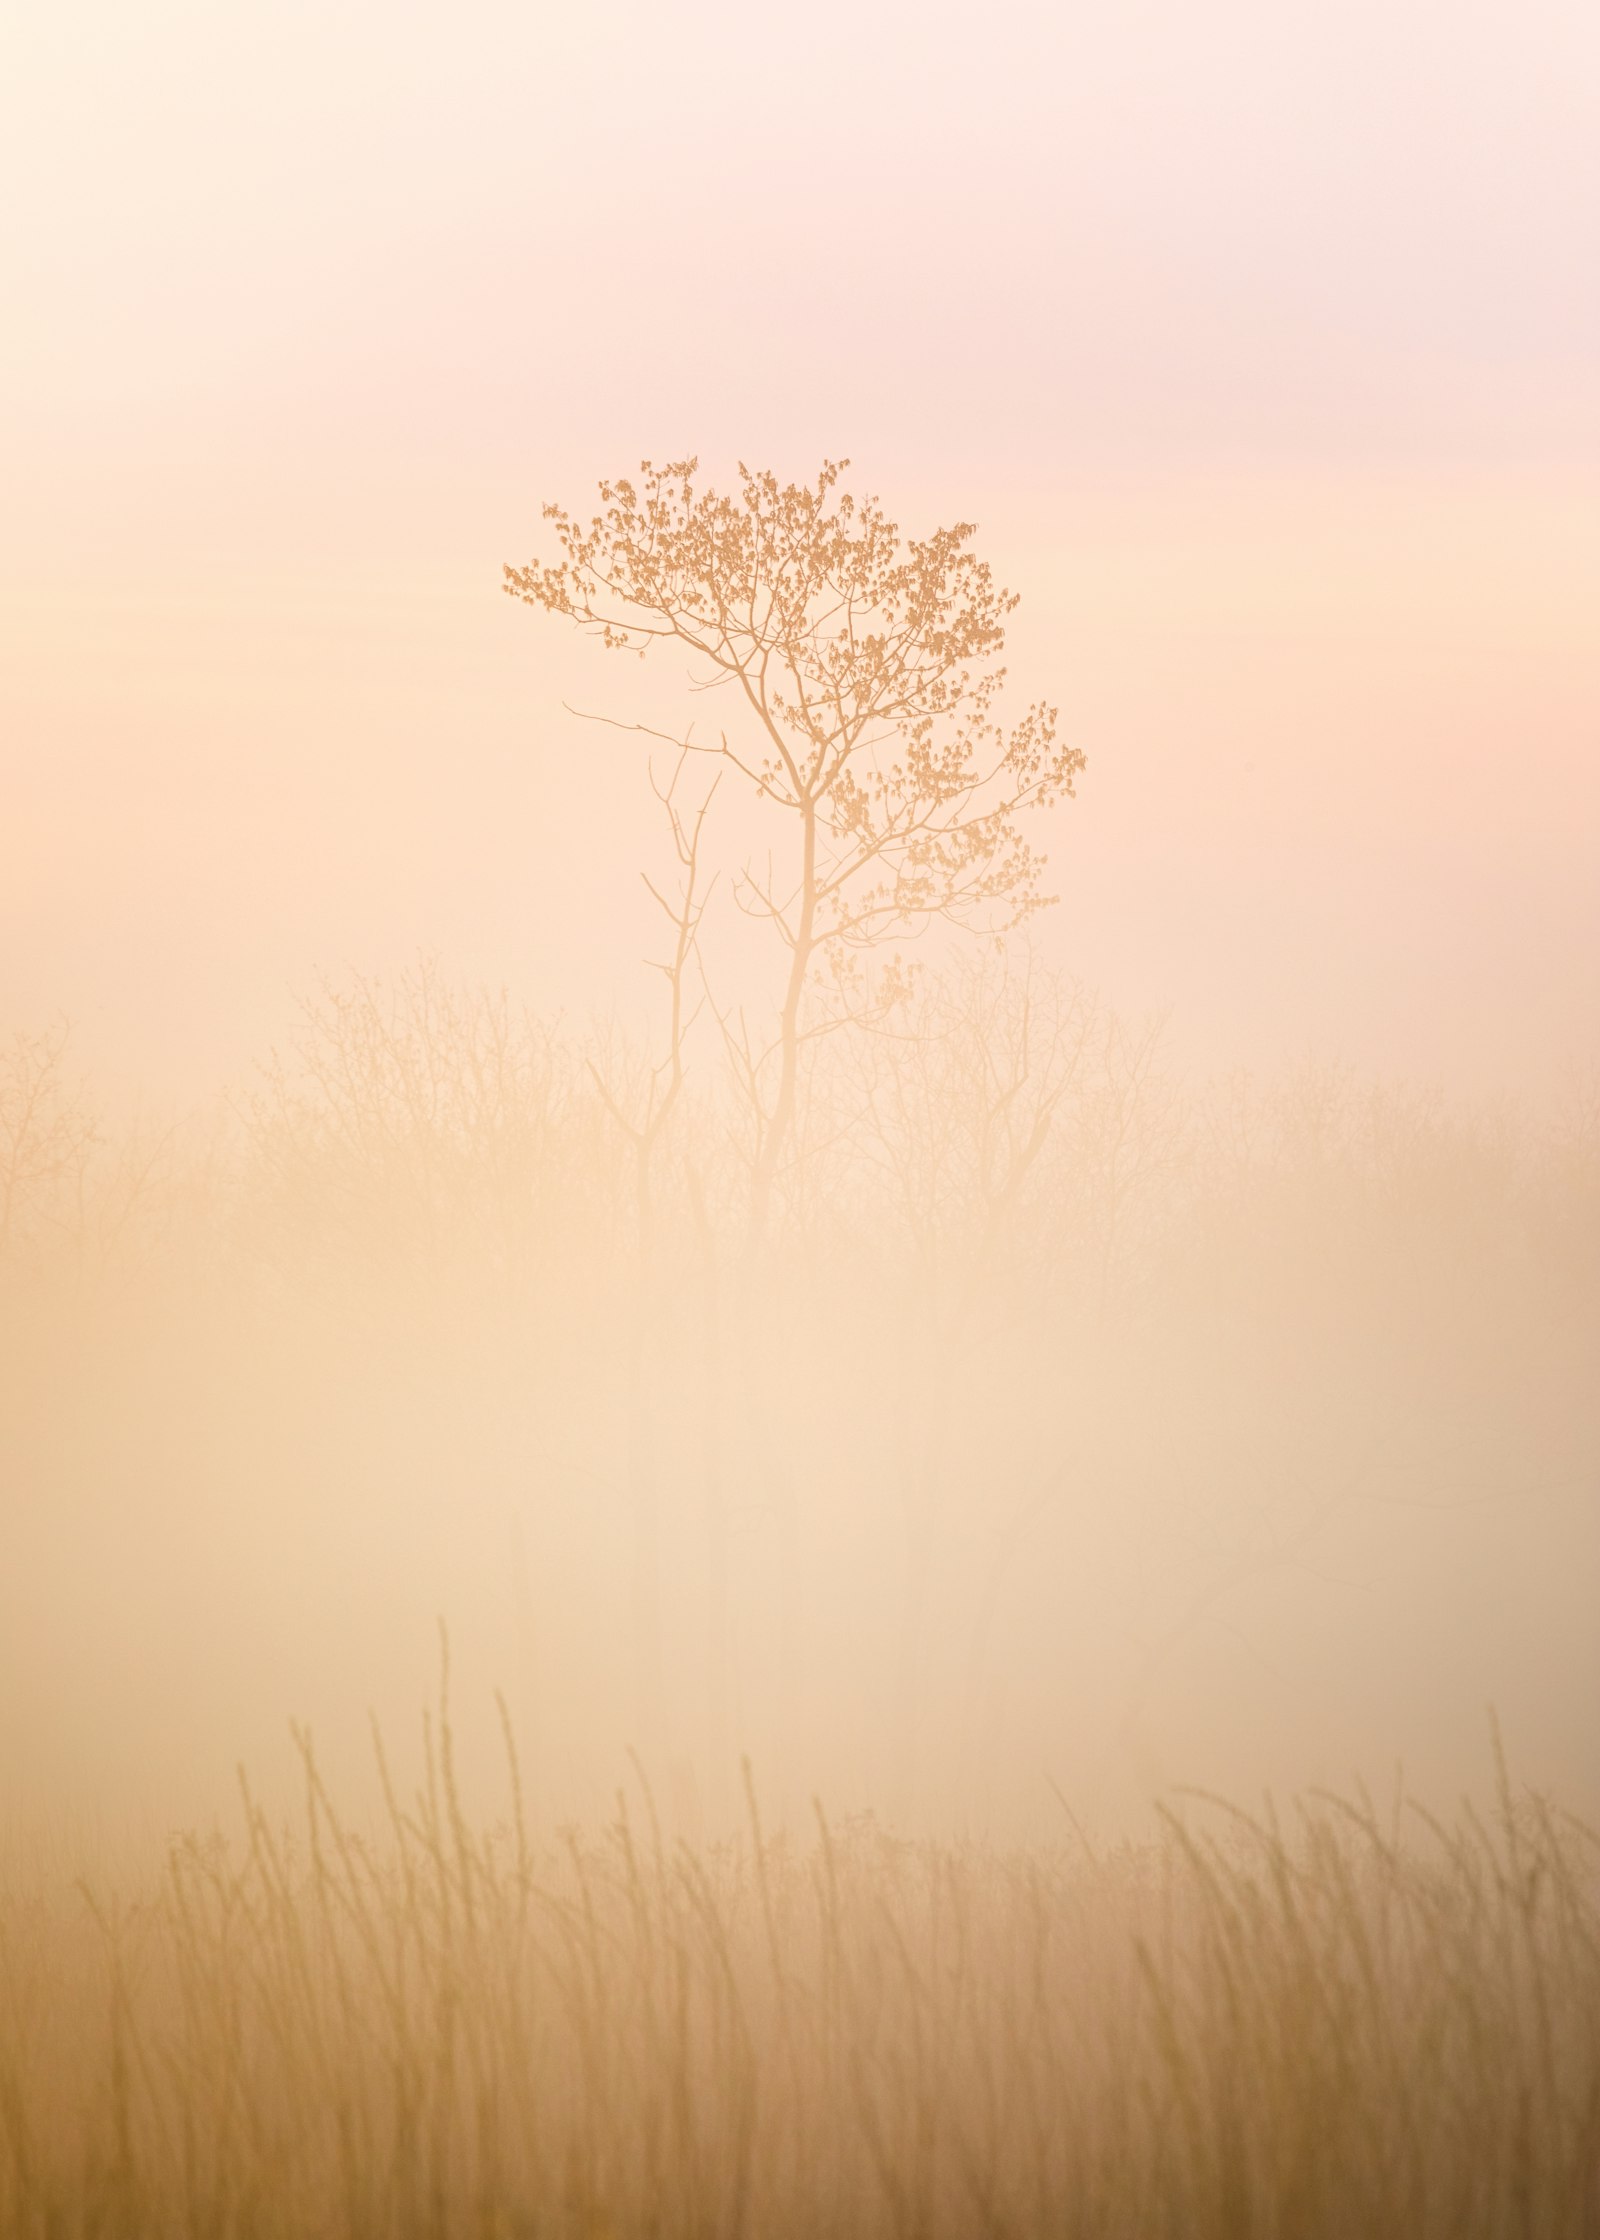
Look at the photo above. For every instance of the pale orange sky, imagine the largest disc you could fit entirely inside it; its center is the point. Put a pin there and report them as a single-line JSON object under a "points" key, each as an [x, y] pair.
{"points": [[1262, 341]]}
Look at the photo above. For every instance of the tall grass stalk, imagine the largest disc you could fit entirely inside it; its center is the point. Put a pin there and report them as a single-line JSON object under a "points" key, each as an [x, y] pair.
{"points": [[1320, 2023]]}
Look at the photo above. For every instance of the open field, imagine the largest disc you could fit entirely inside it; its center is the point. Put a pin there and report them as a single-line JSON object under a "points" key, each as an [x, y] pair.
{"points": [[799, 969], [1086, 1430]]}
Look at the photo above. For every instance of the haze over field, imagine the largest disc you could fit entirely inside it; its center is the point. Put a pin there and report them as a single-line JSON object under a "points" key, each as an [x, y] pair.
{"points": [[984, 1213]]}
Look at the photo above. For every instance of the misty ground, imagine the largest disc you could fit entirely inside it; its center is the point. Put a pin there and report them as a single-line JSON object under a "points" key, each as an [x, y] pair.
{"points": [[1081, 1433], [1081, 1423]]}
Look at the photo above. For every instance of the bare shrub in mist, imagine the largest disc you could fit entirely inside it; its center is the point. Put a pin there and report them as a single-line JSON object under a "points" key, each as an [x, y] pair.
{"points": [[419, 1126], [73, 1191], [47, 1139], [1334, 2024]]}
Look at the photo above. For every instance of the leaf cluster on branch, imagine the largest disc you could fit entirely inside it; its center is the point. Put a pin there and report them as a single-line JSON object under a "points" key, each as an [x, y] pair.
{"points": [[867, 668]]}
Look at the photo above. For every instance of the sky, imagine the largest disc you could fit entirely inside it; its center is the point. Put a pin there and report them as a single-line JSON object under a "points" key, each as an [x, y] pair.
{"points": [[1262, 342]]}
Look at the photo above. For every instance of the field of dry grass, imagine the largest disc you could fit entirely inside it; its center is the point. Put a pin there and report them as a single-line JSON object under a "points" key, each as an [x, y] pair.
{"points": [[1340, 2020]]}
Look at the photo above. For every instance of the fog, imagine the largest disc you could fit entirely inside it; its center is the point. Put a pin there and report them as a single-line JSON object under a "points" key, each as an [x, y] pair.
{"points": [[1083, 1424], [722, 1281]]}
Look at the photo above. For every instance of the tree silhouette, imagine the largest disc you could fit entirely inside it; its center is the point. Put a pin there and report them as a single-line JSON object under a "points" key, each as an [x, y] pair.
{"points": [[865, 668]]}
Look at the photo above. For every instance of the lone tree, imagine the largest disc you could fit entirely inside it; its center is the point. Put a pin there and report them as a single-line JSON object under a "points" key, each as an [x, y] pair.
{"points": [[866, 669]]}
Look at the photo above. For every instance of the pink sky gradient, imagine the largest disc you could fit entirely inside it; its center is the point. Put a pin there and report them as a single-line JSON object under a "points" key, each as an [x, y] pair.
{"points": [[1263, 343]]}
